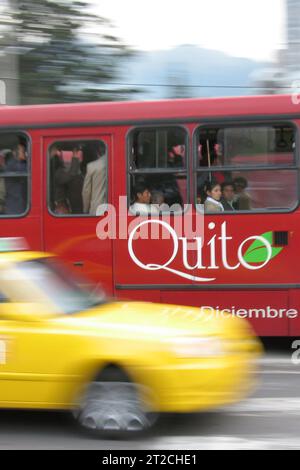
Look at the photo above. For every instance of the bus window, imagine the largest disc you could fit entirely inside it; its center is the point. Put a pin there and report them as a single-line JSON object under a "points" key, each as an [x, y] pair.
{"points": [[256, 163], [158, 164], [77, 177], [241, 190], [14, 174], [246, 145]]}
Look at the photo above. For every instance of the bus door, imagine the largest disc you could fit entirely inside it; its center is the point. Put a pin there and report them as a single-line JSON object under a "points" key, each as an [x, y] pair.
{"points": [[151, 191], [76, 190]]}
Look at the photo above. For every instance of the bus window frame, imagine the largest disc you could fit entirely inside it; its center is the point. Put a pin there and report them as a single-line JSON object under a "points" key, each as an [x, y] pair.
{"points": [[68, 216], [246, 123], [184, 171], [29, 172]]}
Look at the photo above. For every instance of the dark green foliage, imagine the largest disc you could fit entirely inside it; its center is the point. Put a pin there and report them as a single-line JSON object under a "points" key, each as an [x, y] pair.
{"points": [[65, 52]]}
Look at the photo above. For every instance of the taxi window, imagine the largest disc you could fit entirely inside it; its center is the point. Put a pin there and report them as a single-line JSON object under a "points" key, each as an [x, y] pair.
{"points": [[47, 281]]}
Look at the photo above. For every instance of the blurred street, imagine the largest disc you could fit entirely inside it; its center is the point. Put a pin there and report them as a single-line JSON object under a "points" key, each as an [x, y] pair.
{"points": [[267, 420]]}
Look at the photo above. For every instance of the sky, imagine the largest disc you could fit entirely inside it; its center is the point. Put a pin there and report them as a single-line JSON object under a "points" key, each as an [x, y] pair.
{"points": [[242, 28]]}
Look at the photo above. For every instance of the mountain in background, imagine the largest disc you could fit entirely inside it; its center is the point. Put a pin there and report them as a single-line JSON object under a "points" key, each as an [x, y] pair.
{"points": [[188, 65]]}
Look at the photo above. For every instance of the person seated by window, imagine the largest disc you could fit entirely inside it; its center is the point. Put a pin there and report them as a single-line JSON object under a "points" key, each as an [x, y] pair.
{"points": [[227, 198], [142, 201], [16, 187], [201, 191], [242, 201], [213, 195], [158, 200]]}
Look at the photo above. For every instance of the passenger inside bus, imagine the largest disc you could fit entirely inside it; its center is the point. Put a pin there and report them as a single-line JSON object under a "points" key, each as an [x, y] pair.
{"points": [[176, 155], [157, 197], [228, 195], [158, 157], [158, 200], [76, 183], [14, 182], [94, 192], [259, 159], [165, 189], [62, 181], [142, 201], [78, 177], [213, 197], [242, 200]]}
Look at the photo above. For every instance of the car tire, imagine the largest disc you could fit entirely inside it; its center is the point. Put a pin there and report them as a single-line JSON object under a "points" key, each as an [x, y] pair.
{"points": [[111, 407]]}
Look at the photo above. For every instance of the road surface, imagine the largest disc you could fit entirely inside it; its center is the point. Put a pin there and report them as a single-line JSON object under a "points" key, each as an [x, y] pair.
{"points": [[269, 419]]}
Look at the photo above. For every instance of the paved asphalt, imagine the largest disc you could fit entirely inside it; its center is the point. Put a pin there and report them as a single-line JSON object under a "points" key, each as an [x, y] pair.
{"points": [[269, 419]]}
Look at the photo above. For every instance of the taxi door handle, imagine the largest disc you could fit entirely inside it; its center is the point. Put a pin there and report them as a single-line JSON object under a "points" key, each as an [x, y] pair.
{"points": [[78, 263]]}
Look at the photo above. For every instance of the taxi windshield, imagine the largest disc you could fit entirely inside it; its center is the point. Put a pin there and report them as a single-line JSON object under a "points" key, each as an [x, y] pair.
{"points": [[51, 279]]}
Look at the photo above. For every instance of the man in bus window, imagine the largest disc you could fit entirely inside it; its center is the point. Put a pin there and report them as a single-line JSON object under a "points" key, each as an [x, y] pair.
{"points": [[142, 198], [227, 198], [95, 182], [16, 186]]}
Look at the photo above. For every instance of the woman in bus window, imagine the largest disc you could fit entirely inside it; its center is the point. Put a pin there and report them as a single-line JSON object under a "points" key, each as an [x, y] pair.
{"points": [[213, 195]]}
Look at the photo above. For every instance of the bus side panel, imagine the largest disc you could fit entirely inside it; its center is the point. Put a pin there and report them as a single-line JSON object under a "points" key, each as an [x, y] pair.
{"points": [[140, 295], [265, 321], [294, 305]]}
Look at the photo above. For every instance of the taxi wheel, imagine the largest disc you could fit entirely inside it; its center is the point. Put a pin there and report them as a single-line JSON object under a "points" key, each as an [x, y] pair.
{"points": [[111, 406]]}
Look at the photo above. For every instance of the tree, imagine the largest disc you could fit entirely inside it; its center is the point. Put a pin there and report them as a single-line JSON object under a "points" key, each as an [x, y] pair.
{"points": [[65, 52]]}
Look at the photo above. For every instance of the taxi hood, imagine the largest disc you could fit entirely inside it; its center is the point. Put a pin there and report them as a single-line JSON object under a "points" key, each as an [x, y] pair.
{"points": [[161, 320]]}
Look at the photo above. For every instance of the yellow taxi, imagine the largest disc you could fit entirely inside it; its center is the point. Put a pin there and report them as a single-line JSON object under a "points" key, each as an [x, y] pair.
{"points": [[115, 365]]}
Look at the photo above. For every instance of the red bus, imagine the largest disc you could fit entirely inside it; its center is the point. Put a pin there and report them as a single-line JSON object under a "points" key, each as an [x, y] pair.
{"points": [[65, 168]]}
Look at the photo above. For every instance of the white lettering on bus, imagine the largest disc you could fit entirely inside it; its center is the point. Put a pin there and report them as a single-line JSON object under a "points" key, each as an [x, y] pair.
{"points": [[199, 247], [165, 266]]}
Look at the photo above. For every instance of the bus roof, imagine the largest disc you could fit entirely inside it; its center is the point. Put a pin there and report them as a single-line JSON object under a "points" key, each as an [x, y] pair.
{"points": [[133, 111]]}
